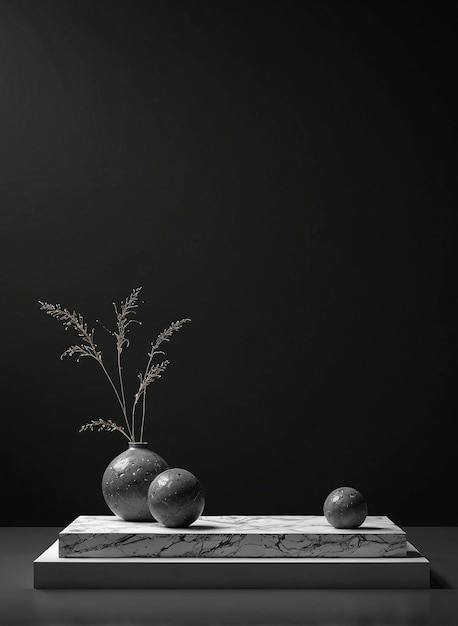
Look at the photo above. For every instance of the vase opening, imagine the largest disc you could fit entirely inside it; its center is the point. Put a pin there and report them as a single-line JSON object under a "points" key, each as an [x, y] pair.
{"points": [[138, 444]]}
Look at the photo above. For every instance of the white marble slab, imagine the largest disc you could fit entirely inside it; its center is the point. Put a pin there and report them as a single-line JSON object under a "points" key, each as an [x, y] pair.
{"points": [[409, 572], [233, 536]]}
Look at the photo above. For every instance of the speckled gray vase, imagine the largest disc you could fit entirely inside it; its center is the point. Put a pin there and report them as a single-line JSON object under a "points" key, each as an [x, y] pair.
{"points": [[126, 480]]}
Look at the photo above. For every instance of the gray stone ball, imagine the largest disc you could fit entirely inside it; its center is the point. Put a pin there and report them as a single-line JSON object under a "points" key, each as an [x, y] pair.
{"points": [[345, 507], [176, 498]]}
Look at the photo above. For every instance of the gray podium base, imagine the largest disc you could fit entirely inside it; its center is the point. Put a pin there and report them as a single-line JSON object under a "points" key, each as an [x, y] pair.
{"points": [[52, 572]]}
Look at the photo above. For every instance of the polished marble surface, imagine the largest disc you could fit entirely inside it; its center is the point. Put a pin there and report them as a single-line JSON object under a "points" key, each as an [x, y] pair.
{"points": [[240, 536]]}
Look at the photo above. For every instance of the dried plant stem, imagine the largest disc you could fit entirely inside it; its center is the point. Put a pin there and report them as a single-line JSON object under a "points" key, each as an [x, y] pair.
{"points": [[152, 353], [121, 403], [121, 386], [123, 321], [151, 373], [134, 406], [148, 368], [98, 357], [143, 415]]}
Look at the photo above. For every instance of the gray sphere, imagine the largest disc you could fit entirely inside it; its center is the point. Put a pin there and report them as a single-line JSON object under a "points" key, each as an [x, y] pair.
{"points": [[345, 507], [176, 498], [126, 480]]}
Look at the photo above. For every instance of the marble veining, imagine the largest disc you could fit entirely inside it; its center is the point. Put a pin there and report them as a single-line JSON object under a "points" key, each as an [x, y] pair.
{"points": [[237, 536]]}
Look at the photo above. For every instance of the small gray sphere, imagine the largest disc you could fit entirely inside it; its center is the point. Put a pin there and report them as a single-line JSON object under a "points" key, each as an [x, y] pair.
{"points": [[345, 507], [176, 498]]}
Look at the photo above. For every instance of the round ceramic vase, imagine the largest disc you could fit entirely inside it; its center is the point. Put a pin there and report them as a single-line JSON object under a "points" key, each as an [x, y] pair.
{"points": [[126, 481]]}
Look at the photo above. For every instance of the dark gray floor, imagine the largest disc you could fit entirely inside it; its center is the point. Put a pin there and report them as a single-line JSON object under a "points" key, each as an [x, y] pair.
{"points": [[20, 604]]}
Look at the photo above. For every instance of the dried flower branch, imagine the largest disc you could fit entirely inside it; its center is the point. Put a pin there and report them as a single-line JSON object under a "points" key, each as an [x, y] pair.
{"points": [[165, 335], [88, 348], [122, 317], [107, 425], [75, 321], [154, 372], [123, 321]]}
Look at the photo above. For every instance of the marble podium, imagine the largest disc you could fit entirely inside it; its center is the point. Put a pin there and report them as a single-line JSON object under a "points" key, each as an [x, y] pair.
{"points": [[235, 536], [231, 552]]}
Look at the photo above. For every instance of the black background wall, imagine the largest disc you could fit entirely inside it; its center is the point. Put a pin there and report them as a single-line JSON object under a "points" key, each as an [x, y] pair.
{"points": [[283, 173]]}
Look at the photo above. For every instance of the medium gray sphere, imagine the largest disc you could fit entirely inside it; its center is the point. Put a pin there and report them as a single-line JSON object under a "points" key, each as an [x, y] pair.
{"points": [[126, 480], [176, 498], [345, 507]]}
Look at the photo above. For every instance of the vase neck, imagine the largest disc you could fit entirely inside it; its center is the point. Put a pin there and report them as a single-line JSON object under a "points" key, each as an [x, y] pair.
{"points": [[137, 444]]}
